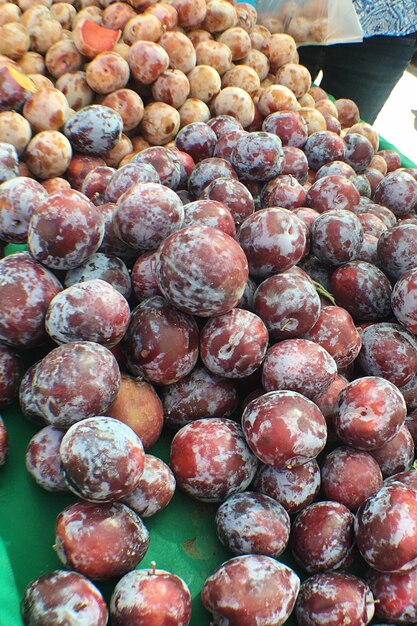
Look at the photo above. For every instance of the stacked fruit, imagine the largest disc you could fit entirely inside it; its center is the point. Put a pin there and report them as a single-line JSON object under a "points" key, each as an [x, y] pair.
{"points": [[215, 247]]}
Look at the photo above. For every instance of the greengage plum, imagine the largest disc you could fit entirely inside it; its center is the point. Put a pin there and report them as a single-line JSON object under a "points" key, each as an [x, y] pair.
{"points": [[211, 460], [100, 540], [284, 428]]}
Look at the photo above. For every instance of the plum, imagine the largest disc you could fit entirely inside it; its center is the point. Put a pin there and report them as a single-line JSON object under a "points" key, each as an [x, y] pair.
{"points": [[251, 588], [298, 365], [294, 487], [103, 459], [148, 596], [211, 460], [385, 529], [334, 598], [350, 476], [276, 424], [201, 270], [199, 394], [252, 523], [154, 490], [370, 411], [234, 345], [161, 342], [322, 536], [100, 541], [63, 598]]}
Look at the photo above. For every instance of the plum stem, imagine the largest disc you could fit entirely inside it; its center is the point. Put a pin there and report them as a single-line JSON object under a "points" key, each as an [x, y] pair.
{"points": [[152, 571]]}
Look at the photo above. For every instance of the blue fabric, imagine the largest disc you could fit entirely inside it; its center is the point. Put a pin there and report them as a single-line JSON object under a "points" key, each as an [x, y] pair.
{"points": [[387, 17]]}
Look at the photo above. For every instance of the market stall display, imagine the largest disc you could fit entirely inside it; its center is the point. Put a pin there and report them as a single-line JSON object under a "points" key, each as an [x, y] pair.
{"points": [[204, 324]]}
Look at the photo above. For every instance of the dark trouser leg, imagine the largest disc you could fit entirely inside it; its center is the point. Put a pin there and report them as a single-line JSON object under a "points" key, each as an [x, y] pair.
{"points": [[365, 72]]}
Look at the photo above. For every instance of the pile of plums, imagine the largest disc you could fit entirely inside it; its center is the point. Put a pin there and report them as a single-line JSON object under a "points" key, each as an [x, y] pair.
{"points": [[215, 250]]}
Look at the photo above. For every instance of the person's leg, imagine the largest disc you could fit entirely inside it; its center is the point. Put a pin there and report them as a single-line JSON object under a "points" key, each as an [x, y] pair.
{"points": [[312, 57], [367, 72]]}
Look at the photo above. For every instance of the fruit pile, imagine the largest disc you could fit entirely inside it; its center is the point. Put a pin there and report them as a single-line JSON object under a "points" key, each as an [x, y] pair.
{"points": [[217, 254]]}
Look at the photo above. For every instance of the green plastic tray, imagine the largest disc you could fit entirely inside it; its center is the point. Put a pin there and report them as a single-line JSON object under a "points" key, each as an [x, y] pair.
{"points": [[183, 538]]}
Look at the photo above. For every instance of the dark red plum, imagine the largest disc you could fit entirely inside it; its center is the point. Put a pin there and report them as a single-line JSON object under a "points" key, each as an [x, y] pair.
{"points": [[323, 147], [334, 598], [252, 523], [283, 428], [322, 536], [293, 487], [94, 130], [298, 365], [363, 290], [161, 342], [288, 303], [370, 411], [202, 271], [199, 394], [268, 593], [211, 460], [350, 476], [196, 139]]}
